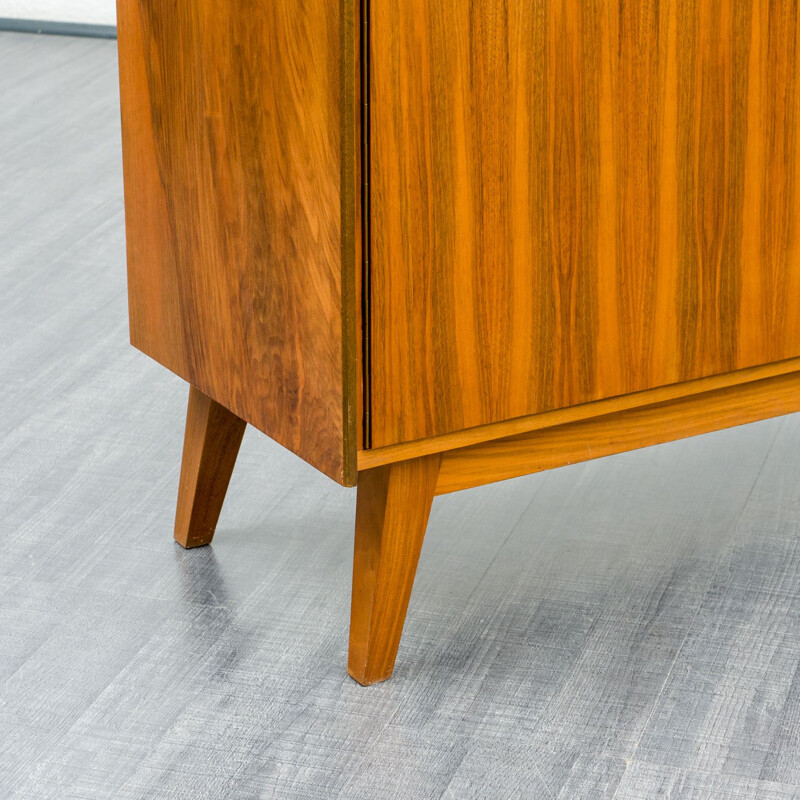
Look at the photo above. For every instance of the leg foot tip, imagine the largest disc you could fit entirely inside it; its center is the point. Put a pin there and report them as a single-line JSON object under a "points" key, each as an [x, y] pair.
{"points": [[192, 544], [364, 678]]}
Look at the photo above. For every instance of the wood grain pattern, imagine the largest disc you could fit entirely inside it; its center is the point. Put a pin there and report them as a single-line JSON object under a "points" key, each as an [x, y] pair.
{"points": [[394, 503], [241, 188], [369, 459], [617, 432], [575, 201], [211, 444]]}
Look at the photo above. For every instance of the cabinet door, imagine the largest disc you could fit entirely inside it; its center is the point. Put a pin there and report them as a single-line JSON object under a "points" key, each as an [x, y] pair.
{"points": [[575, 200]]}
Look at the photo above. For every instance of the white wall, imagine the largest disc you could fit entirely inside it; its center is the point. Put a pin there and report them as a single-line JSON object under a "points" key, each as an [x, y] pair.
{"points": [[90, 12]]}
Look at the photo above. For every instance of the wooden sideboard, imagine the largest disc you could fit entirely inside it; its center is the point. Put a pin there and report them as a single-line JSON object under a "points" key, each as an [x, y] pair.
{"points": [[429, 244]]}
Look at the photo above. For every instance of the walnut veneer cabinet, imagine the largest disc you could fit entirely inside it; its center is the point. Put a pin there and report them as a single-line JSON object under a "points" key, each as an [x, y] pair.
{"points": [[429, 244]]}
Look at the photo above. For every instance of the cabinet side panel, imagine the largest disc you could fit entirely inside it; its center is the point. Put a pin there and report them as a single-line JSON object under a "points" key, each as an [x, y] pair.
{"points": [[573, 201], [240, 209]]}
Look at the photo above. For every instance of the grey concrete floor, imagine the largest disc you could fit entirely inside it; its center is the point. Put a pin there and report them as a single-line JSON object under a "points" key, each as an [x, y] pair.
{"points": [[627, 628]]}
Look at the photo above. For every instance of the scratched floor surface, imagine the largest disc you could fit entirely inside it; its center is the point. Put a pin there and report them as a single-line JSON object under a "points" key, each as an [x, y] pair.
{"points": [[627, 628]]}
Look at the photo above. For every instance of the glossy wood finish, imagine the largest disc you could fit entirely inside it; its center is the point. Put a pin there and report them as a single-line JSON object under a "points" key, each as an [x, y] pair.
{"points": [[211, 444], [574, 201], [240, 151], [579, 236], [394, 503], [617, 432], [369, 459]]}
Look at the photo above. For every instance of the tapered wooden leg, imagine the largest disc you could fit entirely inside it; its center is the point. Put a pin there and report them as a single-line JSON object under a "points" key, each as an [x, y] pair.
{"points": [[210, 447], [393, 506]]}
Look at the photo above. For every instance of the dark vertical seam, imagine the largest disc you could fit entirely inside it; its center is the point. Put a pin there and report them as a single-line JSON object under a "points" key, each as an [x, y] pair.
{"points": [[366, 289]]}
